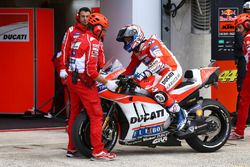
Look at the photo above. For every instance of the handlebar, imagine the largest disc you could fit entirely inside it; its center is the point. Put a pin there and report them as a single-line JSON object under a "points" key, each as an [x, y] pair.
{"points": [[126, 83]]}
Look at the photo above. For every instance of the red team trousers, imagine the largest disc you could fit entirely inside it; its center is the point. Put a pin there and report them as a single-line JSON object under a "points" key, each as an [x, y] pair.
{"points": [[87, 97]]}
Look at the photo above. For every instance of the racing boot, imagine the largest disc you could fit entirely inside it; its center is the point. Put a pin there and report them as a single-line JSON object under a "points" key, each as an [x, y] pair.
{"points": [[182, 115], [182, 119]]}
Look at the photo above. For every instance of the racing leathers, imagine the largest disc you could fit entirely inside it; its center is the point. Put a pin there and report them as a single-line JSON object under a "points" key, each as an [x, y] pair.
{"points": [[159, 60], [83, 92], [244, 102]]}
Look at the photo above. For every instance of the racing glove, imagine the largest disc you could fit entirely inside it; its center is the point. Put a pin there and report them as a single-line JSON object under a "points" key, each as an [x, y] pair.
{"points": [[154, 67], [63, 74], [112, 85]]}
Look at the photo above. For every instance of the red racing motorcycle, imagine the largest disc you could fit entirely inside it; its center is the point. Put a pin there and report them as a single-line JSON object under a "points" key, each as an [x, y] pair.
{"points": [[135, 118]]}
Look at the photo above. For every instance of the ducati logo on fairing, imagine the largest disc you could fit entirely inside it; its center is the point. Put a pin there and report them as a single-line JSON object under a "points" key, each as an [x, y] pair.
{"points": [[147, 116]]}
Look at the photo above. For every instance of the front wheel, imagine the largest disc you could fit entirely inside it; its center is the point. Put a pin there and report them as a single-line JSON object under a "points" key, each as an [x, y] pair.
{"points": [[214, 140], [81, 135]]}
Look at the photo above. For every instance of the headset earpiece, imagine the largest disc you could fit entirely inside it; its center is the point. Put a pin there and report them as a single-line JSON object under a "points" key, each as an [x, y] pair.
{"points": [[97, 30], [247, 24], [77, 17]]}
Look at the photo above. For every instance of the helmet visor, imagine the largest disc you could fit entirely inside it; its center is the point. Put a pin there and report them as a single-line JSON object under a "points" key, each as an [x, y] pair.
{"points": [[120, 35]]}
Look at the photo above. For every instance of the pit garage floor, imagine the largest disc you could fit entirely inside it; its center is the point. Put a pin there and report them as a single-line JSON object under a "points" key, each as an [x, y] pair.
{"points": [[46, 148]]}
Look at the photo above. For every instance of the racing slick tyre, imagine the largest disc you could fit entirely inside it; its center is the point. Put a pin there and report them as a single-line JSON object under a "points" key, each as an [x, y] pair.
{"points": [[214, 140], [81, 135]]}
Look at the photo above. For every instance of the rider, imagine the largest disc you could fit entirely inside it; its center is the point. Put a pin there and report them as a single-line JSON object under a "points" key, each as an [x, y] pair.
{"points": [[242, 24], [158, 60]]}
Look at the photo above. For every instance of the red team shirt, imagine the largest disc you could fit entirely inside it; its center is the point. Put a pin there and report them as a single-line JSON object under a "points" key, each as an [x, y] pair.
{"points": [[69, 38]]}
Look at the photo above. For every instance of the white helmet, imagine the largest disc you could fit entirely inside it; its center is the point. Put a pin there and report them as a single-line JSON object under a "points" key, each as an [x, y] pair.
{"points": [[246, 6], [133, 31]]}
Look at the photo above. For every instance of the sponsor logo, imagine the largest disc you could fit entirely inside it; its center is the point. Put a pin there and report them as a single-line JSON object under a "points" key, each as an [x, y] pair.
{"points": [[147, 116], [228, 14], [160, 140], [153, 130], [157, 52], [76, 45], [76, 34], [132, 142], [166, 78], [146, 60], [94, 54], [173, 81], [154, 48], [101, 87], [73, 53], [148, 138], [95, 50], [14, 27], [226, 21], [14, 36], [228, 26]]}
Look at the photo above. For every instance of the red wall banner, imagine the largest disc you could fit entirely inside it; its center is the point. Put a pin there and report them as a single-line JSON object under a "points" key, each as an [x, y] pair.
{"points": [[45, 51], [26, 53], [226, 91], [16, 62]]}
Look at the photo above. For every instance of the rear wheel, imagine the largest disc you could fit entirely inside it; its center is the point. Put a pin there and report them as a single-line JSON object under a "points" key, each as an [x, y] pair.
{"points": [[213, 140], [81, 135]]}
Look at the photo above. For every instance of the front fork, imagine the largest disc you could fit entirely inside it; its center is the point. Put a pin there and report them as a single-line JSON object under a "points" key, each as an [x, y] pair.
{"points": [[110, 112], [107, 118]]}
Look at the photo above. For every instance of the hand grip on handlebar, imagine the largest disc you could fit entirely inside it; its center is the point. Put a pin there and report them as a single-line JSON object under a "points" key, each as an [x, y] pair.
{"points": [[126, 82]]}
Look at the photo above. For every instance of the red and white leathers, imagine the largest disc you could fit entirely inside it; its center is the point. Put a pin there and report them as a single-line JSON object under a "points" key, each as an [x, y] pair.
{"points": [[70, 36], [158, 59], [84, 59], [244, 102]]}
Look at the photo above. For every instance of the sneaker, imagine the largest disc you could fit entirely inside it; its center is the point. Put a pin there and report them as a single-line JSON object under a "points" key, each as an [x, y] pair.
{"points": [[182, 119], [235, 136], [104, 155], [48, 115], [71, 154]]}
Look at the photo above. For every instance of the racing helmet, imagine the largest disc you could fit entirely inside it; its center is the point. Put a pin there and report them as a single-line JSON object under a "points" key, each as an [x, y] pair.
{"points": [[98, 22], [133, 31], [246, 6], [243, 19], [98, 18]]}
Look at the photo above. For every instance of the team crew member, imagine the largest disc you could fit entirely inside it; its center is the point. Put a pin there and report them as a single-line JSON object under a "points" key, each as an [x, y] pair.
{"points": [[71, 35], [61, 61], [158, 59], [83, 72], [239, 57], [242, 25], [73, 32]]}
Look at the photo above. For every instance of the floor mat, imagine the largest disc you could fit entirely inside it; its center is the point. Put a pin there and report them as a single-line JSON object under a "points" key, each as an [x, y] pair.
{"points": [[21, 122]]}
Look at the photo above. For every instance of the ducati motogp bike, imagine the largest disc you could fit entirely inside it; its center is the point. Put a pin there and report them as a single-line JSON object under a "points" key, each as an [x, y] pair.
{"points": [[133, 117]]}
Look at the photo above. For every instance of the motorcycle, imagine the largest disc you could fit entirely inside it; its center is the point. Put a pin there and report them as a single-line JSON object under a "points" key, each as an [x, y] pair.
{"points": [[132, 115]]}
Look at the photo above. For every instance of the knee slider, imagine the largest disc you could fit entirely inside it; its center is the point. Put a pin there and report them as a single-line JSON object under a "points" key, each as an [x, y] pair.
{"points": [[160, 97]]}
